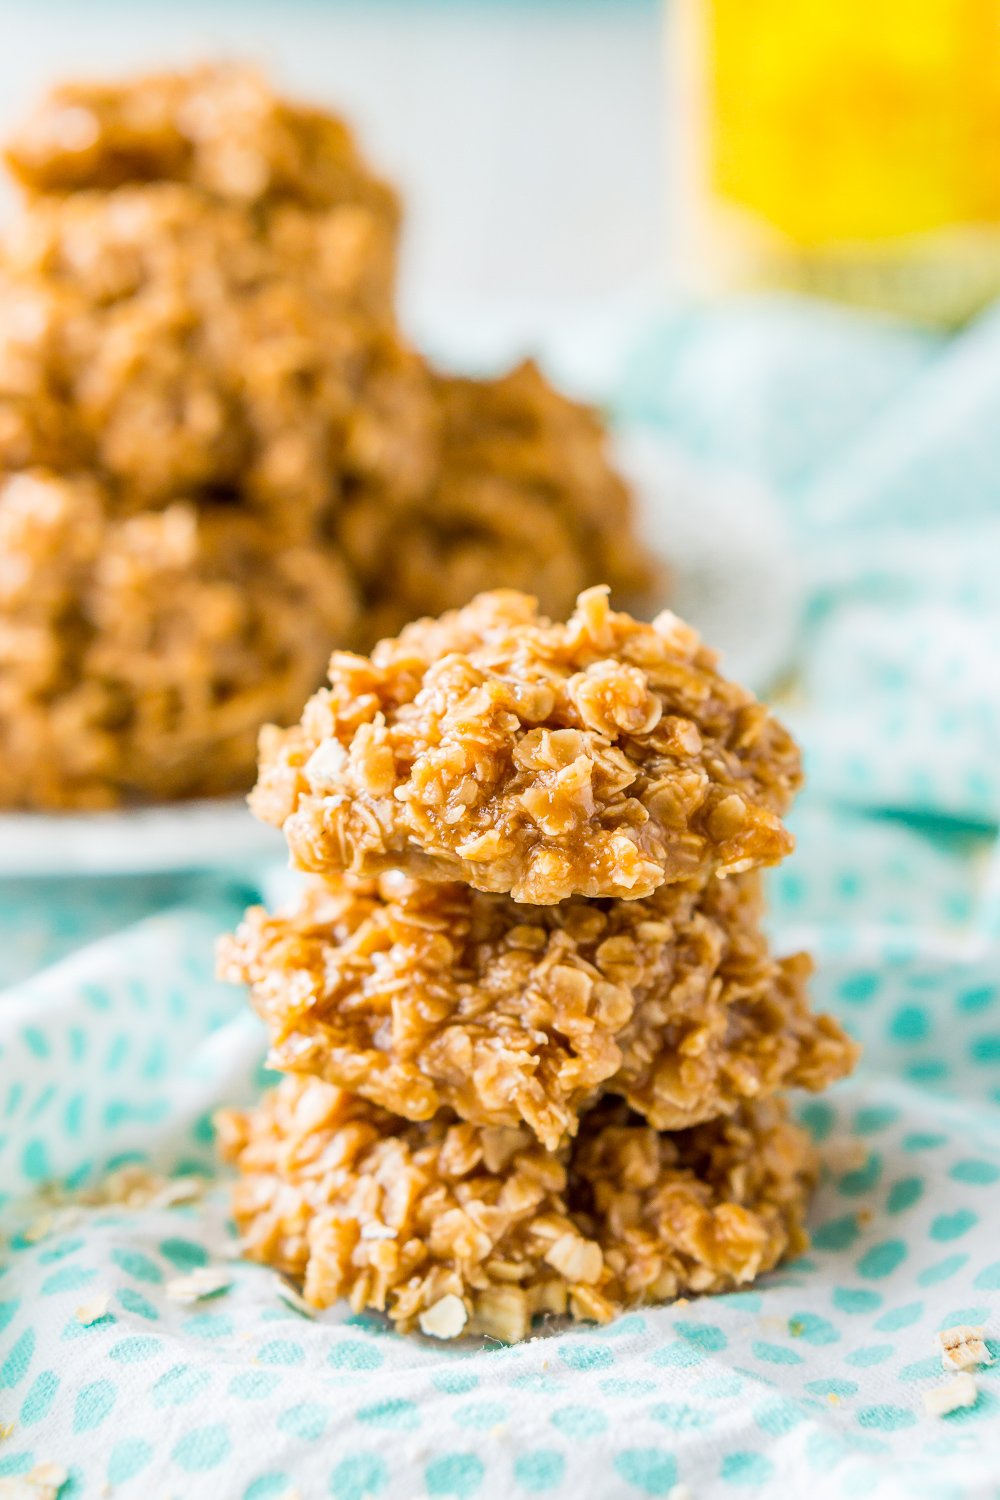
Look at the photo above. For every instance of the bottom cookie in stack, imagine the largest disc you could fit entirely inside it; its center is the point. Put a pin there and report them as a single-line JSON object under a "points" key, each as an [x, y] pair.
{"points": [[454, 1228]]}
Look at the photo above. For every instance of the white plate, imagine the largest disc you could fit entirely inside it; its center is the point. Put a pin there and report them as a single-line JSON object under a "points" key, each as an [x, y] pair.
{"points": [[725, 545], [217, 834]]}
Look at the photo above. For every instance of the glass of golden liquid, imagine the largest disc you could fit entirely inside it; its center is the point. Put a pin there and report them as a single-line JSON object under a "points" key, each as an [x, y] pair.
{"points": [[848, 148]]}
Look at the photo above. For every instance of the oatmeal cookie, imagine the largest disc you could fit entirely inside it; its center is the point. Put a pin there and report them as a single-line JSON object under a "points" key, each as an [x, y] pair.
{"points": [[139, 654], [181, 349], [523, 496], [219, 128], [599, 758], [454, 1229], [420, 995]]}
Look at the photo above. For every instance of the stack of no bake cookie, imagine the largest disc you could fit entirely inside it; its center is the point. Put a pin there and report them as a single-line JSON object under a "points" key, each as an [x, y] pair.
{"points": [[536, 1039]]}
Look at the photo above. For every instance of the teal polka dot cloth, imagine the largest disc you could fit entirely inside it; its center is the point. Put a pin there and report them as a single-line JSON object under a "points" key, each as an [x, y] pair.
{"points": [[116, 1044]]}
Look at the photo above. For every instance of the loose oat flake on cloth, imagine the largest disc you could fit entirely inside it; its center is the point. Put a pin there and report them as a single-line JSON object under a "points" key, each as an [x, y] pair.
{"points": [[140, 1356]]}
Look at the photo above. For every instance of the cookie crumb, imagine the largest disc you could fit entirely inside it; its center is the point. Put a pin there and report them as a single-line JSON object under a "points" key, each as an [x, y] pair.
{"points": [[43, 1482], [963, 1346], [204, 1281], [132, 1186], [48, 1224], [49, 1473], [953, 1396], [446, 1319], [93, 1311], [844, 1154], [179, 1190]]}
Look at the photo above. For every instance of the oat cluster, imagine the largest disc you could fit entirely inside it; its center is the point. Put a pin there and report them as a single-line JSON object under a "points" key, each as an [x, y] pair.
{"points": [[200, 367], [456, 1228], [423, 996], [602, 757], [535, 1037], [142, 651], [522, 497]]}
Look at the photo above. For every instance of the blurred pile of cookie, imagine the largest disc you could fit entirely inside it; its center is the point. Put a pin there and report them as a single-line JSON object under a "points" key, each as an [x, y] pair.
{"points": [[220, 459]]}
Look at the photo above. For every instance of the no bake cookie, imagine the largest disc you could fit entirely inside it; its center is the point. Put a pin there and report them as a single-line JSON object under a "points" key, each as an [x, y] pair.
{"points": [[420, 995], [602, 757], [523, 495], [452, 1229], [139, 654], [219, 128], [182, 348]]}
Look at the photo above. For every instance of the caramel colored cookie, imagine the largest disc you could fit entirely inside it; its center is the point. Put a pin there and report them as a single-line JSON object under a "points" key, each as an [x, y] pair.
{"points": [[421, 995], [523, 495], [453, 1229], [218, 128], [602, 757], [181, 348], [139, 654]]}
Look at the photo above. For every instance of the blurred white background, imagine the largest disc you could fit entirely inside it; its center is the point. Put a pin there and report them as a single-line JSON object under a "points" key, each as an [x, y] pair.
{"points": [[527, 137]]}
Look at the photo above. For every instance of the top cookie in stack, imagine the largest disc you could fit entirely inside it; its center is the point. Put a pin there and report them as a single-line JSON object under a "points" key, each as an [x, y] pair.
{"points": [[599, 758]]}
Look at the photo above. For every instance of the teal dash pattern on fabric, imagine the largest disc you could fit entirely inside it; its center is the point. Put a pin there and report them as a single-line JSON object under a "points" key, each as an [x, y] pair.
{"points": [[649, 1470]]}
